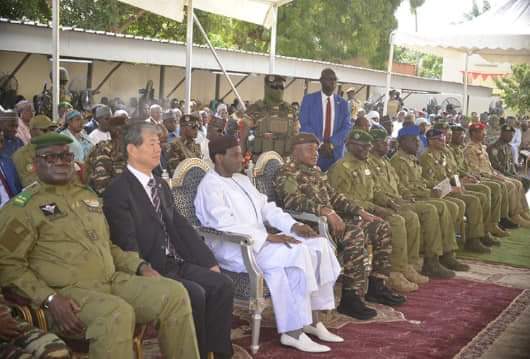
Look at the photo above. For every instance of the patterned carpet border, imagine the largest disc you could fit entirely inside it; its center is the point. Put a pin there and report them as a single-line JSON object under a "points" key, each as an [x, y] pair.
{"points": [[487, 336]]}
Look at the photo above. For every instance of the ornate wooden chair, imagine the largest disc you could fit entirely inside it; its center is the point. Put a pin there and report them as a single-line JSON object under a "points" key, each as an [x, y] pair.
{"points": [[250, 288]]}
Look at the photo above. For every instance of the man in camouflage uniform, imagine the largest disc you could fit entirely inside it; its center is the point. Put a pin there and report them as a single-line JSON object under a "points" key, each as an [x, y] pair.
{"points": [[434, 163], [55, 249], [19, 340], [184, 146], [479, 164], [437, 226], [499, 202], [275, 119], [23, 157], [501, 156], [107, 159], [352, 177], [301, 186]]}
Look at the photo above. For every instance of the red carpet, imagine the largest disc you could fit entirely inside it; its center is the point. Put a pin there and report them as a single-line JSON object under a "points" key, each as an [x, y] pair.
{"points": [[441, 318]]}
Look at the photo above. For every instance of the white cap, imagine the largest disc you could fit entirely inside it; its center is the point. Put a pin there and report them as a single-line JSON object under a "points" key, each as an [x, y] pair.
{"points": [[373, 115]]}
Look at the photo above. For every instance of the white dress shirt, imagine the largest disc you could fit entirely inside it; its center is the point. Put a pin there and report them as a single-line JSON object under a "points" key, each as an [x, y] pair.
{"points": [[324, 104], [143, 178]]}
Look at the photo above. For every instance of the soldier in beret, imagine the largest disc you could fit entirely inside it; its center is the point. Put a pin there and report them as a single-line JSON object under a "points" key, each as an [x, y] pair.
{"points": [[23, 157], [435, 168], [353, 177], [301, 186], [62, 259], [184, 146], [479, 164], [499, 201], [501, 157], [108, 158], [437, 226]]}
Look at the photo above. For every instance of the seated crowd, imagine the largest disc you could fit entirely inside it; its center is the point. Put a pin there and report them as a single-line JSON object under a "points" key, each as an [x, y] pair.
{"points": [[91, 233]]}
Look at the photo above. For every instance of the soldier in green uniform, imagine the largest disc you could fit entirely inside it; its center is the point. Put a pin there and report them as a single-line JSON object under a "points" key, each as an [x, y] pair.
{"points": [[20, 340], [55, 249], [491, 203], [479, 164], [501, 156], [23, 157], [184, 146], [437, 226], [301, 186], [107, 159], [276, 121], [499, 202], [434, 163], [352, 177]]}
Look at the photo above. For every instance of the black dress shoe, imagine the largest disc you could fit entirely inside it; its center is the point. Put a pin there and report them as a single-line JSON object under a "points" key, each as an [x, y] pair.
{"points": [[505, 223], [352, 305], [378, 292]]}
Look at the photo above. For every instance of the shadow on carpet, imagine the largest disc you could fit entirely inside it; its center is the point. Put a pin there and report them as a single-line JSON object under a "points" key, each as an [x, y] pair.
{"points": [[439, 320], [514, 250]]}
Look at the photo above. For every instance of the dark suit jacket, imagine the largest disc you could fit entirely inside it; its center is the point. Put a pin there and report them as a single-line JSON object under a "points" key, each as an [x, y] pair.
{"points": [[135, 226], [311, 121]]}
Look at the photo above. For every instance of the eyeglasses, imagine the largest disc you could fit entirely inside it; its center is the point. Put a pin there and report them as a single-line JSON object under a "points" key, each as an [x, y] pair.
{"points": [[54, 157]]}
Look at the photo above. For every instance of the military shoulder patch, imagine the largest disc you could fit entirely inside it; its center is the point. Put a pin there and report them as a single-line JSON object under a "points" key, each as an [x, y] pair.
{"points": [[21, 199]]}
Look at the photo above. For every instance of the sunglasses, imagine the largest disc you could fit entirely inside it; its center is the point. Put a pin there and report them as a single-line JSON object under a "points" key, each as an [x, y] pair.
{"points": [[52, 158]]}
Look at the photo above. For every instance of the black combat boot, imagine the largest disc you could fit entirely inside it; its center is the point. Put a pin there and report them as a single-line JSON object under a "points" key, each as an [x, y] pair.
{"points": [[488, 240], [378, 292], [352, 305], [433, 269], [449, 261], [505, 223]]}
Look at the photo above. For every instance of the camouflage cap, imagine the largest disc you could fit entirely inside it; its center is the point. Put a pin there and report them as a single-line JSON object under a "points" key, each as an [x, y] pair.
{"points": [[378, 133], [507, 128], [50, 139], [304, 137], [360, 136], [190, 120], [42, 122]]}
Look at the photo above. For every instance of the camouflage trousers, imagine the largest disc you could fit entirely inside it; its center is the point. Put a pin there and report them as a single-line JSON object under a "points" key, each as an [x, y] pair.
{"points": [[353, 248], [32, 343]]}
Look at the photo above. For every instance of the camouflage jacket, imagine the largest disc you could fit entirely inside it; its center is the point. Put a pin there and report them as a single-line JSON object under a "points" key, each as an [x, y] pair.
{"points": [[501, 158], [478, 160], [179, 150], [102, 164], [411, 181], [306, 189]]}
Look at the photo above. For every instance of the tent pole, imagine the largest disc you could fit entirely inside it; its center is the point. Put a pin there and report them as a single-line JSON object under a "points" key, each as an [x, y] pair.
{"points": [[465, 84], [272, 59], [55, 59], [201, 29], [389, 73], [189, 56]]}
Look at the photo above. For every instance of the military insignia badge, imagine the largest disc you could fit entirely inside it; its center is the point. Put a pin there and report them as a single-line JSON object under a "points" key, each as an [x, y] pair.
{"points": [[367, 172], [50, 210], [92, 205], [91, 234], [356, 136], [29, 167]]}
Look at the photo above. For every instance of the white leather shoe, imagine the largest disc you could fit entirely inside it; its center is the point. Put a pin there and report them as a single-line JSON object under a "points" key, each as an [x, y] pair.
{"points": [[322, 333], [303, 343]]}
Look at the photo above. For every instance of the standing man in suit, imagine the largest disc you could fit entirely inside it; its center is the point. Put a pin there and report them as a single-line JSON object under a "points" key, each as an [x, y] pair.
{"points": [[326, 115], [143, 218]]}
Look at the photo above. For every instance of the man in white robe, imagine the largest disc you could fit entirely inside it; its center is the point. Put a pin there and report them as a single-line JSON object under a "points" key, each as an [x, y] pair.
{"points": [[299, 268]]}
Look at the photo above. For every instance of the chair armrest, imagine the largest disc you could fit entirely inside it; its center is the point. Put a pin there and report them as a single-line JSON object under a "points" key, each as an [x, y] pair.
{"points": [[249, 258], [320, 221]]}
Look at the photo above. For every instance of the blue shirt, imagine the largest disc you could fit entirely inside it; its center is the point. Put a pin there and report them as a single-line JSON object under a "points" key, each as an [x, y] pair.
{"points": [[10, 146], [8, 170], [80, 147]]}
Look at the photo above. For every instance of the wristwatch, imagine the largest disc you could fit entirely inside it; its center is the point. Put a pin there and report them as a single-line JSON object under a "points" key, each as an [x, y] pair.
{"points": [[48, 300]]}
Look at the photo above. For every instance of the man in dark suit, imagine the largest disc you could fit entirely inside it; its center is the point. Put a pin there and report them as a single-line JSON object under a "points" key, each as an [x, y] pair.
{"points": [[326, 115], [143, 218]]}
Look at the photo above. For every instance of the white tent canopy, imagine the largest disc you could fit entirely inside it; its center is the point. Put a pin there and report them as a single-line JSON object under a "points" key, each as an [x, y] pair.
{"points": [[501, 34]]}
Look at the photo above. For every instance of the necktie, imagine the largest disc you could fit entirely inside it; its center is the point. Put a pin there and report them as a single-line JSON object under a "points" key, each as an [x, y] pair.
{"points": [[3, 179], [155, 196], [327, 124]]}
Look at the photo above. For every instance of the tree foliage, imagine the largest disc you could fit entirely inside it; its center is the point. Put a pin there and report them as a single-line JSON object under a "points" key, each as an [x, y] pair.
{"points": [[336, 30], [476, 11], [515, 89], [430, 65]]}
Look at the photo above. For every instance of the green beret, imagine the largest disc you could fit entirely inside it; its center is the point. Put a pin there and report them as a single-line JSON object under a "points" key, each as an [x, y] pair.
{"points": [[42, 122], [360, 136], [378, 134], [50, 139], [442, 125], [304, 137]]}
